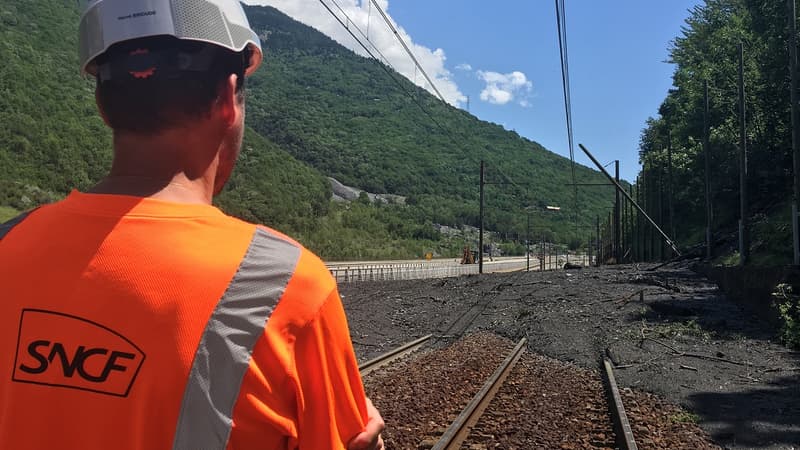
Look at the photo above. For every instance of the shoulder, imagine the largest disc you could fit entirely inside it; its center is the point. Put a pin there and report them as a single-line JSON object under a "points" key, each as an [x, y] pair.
{"points": [[7, 226], [309, 267], [310, 284]]}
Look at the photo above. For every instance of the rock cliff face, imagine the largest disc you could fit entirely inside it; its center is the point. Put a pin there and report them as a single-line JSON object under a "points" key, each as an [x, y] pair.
{"points": [[342, 193]]}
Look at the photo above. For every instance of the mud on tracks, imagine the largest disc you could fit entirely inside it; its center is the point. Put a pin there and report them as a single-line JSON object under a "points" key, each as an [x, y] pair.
{"points": [[685, 343]]}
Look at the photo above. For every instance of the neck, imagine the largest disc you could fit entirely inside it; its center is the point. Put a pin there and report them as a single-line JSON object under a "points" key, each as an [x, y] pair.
{"points": [[175, 165]]}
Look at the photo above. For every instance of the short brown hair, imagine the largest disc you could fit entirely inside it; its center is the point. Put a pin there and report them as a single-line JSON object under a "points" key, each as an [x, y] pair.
{"points": [[169, 96]]}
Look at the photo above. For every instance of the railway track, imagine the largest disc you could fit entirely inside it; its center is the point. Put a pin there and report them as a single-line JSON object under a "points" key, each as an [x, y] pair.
{"points": [[459, 432], [460, 428], [384, 359]]}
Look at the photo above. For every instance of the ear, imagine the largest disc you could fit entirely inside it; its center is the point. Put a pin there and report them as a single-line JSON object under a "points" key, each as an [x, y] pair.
{"points": [[229, 107], [100, 107]]}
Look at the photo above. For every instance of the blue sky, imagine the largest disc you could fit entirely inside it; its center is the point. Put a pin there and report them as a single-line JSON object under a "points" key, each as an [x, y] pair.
{"points": [[504, 57]]}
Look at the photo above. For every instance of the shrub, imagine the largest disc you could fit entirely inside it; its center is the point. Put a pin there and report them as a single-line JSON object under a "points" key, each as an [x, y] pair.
{"points": [[788, 305]]}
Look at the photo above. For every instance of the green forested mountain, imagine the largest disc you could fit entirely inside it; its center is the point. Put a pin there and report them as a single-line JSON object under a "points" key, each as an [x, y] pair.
{"points": [[342, 114], [315, 109], [52, 139]]}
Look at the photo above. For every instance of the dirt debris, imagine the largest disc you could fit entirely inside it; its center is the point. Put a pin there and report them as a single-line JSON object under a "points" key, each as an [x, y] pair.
{"points": [[681, 341]]}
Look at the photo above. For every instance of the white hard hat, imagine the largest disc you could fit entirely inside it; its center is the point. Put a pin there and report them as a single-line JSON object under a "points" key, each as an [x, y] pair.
{"points": [[219, 22]]}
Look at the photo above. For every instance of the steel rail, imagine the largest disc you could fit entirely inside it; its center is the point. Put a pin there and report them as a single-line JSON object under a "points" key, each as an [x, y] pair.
{"points": [[622, 427], [388, 357], [460, 428]]}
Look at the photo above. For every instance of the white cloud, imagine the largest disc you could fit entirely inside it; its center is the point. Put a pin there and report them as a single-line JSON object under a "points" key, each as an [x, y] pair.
{"points": [[465, 67], [493, 94], [363, 15], [502, 88]]}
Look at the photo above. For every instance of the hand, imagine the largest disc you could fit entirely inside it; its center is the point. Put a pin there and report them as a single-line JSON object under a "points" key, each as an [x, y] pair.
{"points": [[370, 438]]}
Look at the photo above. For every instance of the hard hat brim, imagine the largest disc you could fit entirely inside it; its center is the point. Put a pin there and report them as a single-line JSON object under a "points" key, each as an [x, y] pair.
{"points": [[218, 22]]}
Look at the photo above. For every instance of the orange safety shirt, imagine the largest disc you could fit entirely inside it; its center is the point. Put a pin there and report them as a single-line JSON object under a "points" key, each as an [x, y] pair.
{"points": [[134, 323]]}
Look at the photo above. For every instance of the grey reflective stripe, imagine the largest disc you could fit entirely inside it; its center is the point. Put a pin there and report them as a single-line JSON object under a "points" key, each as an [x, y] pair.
{"points": [[7, 226], [224, 352]]}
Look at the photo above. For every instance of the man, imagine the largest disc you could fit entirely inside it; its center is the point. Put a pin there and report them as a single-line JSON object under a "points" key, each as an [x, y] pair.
{"points": [[137, 315]]}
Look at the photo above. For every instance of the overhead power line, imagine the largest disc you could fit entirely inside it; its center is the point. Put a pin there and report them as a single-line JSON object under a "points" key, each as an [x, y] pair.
{"points": [[385, 66], [346, 26], [419, 67], [408, 50], [561, 21]]}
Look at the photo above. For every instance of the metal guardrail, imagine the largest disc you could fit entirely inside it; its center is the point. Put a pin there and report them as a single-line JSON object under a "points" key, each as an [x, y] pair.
{"points": [[385, 271], [399, 271]]}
